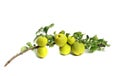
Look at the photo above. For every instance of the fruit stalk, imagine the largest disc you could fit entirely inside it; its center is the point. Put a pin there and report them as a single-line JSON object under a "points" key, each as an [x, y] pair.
{"points": [[15, 56]]}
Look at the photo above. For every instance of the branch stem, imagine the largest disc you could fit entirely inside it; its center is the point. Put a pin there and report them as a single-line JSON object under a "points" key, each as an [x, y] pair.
{"points": [[18, 54]]}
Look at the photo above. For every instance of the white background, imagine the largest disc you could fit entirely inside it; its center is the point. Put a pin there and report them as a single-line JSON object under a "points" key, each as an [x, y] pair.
{"points": [[20, 19]]}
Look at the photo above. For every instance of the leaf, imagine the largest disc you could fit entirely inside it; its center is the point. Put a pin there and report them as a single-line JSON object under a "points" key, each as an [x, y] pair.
{"points": [[24, 48], [92, 49], [95, 37], [51, 25], [67, 34], [62, 32], [46, 28], [39, 30], [29, 44], [51, 40], [78, 35]]}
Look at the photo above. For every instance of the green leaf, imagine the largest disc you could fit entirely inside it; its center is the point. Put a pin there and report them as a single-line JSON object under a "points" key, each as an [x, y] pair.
{"points": [[78, 35], [62, 32], [95, 37], [46, 28], [54, 32], [67, 34], [51, 25], [29, 44], [24, 48], [51, 40], [108, 45], [92, 49], [39, 30]]}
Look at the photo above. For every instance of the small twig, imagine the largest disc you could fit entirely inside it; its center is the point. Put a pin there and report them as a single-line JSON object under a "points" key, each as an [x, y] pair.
{"points": [[19, 55]]}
